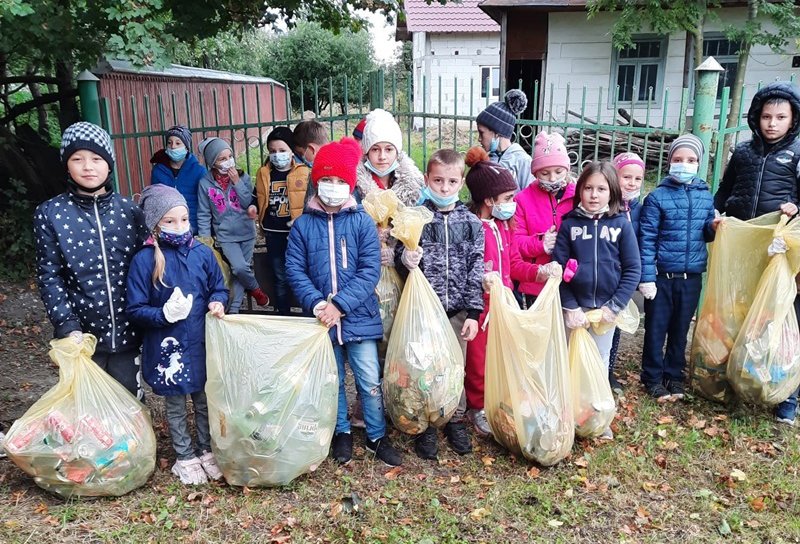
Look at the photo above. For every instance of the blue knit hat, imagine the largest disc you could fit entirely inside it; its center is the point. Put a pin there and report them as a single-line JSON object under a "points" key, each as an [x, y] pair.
{"points": [[500, 117], [183, 134]]}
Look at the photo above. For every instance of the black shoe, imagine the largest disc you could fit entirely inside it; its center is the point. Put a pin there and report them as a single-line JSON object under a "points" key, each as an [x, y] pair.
{"points": [[658, 392], [342, 448], [616, 387], [426, 445], [458, 437], [676, 389], [384, 451]]}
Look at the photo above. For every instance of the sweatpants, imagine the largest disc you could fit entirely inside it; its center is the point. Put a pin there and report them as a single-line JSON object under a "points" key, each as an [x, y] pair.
{"points": [[240, 257], [475, 369]]}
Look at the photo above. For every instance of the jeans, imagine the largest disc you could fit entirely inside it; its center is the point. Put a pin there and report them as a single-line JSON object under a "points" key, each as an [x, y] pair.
{"points": [[276, 253], [125, 367], [178, 421], [363, 359], [240, 257]]}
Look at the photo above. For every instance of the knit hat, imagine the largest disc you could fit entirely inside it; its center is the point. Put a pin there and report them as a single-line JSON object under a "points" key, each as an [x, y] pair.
{"points": [[182, 133], [89, 136], [283, 134], [624, 159], [381, 127], [338, 159], [486, 179], [211, 148], [549, 150], [500, 117], [157, 200], [358, 132], [689, 141]]}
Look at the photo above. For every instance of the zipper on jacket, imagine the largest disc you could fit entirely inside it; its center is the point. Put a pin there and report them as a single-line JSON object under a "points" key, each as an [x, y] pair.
{"points": [[594, 293], [553, 206], [499, 242], [758, 186], [688, 231], [108, 278], [446, 265], [344, 253], [332, 258]]}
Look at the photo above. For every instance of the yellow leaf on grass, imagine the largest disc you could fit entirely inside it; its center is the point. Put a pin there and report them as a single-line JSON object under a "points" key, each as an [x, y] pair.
{"points": [[478, 514], [555, 523], [487, 460], [738, 475]]}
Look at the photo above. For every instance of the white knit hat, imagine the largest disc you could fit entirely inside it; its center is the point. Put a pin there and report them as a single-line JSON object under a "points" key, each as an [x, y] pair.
{"points": [[381, 127]]}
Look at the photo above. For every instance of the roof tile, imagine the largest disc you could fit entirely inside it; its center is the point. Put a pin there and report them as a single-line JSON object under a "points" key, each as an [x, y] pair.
{"points": [[465, 16]]}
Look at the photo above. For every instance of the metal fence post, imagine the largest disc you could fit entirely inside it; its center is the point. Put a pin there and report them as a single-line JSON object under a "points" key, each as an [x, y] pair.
{"points": [[705, 103], [88, 85]]}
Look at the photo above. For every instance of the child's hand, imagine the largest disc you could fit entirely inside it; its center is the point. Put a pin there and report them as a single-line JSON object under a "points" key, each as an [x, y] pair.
{"points": [[789, 209], [177, 306], [411, 259], [609, 316], [489, 279], [549, 240], [547, 271], [252, 212], [383, 234], [469, 330], [77, 337], [575, 319], [716, 222], [233, 173], [648, 290], [387, 256], [329, 315], [216, 309]]}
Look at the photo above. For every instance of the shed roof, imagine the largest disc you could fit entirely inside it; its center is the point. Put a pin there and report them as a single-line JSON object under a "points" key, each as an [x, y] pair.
{"points": [[177, 71], [465, 16]]}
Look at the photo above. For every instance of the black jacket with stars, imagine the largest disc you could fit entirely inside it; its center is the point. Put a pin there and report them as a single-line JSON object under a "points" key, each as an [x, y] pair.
{"points": [[84, 247]]}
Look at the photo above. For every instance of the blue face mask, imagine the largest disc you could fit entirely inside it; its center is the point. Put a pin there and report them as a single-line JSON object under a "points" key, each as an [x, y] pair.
{"points": [[381, 173], [683, 172], [438, 201], [280, 160], [494, 145], [504, 210], [177, 155]]}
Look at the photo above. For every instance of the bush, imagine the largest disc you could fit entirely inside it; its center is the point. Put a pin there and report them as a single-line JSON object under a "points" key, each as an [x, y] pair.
{"points": [[16, 235]]}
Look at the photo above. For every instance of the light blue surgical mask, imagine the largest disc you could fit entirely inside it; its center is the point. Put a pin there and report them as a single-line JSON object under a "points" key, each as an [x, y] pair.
{"points": [[381, 173], [438, 201], [504, 210], [494, 145], [178, 154], [280, 160], [683, 172]]}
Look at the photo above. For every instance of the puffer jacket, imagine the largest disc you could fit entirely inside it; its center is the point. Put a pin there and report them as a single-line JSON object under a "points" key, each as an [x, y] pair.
{"points": [[675, 227], [452, 259], [84, 247], [337, 255], [537, 211], [174, 354], [296, 181], [759, 177], [225, 212], [407, 185], [185, 182], [515, 159]]}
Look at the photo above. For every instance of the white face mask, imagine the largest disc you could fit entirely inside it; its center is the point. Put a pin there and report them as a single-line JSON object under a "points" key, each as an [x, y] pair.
{"points": [[224, 166], [333, 194]]}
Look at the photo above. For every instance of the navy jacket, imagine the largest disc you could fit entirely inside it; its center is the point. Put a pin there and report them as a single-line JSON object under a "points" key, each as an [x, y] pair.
{"points": [[608, 260], [634, 212], [84, 246], [337, 254], [174, 354], [674, 228], [186, 182]]}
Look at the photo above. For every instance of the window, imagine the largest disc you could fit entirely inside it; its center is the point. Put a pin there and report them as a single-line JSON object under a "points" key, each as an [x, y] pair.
{"points": [[492, 72], [638, 72], [726, 53]]}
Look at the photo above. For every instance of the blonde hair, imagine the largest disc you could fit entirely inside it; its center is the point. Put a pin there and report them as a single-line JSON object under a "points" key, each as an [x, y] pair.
{"points": [[160, 262], [446, 157]]}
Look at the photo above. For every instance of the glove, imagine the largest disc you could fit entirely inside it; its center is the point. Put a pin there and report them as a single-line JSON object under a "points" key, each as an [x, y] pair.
{"points": [[387, 256], [410, 258], [383, 234], [609, 316], [489, 279], [648, 290], [549, 240], [318, 308], [178, 306], [778, 245], [77, 336], [575, 319], [549, 270]]}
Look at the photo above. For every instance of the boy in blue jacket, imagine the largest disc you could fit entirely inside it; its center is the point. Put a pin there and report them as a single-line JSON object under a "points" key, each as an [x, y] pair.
{"points": [[333, 264], [676, 223]]}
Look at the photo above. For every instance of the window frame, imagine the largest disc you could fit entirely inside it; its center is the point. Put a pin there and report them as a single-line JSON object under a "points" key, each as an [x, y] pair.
{"points": [[616, 62], [725, 59], [491, 69]]}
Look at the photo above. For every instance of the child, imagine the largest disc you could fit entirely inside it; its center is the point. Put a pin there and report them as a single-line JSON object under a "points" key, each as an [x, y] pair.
{"points": [[223, 196], [495, 129], [175, 166], [677, 222], [272, 181], [541, 206], [173, 281], [630, 171], [762, 175], [85, 240], [451, 257], [333, 266], [602, 242], [309, 136], [492, 188]]}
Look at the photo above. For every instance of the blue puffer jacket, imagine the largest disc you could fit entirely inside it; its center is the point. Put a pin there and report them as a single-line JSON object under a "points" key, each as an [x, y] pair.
{"points": [[185, 182], [674, 228], [337, 254], [174, 354]]}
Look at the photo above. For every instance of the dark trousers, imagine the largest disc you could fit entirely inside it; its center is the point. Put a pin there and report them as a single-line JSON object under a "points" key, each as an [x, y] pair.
{"points": [[667, 318], [788, 408], [123, 367], [276, 251]]}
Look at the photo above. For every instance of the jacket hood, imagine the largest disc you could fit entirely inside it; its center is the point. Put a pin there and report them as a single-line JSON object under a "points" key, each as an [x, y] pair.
{"points": [[408, 181], [779, 89], [513, 149]]}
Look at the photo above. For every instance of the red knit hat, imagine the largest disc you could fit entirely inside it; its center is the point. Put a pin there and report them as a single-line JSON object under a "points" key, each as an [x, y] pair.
{"points": [[338, 159]]}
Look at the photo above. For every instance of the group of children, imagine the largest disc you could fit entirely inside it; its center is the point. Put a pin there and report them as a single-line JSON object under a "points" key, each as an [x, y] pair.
{"points": [[138, 276]]}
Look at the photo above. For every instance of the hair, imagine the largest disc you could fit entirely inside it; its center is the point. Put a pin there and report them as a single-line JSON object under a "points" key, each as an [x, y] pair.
{"points": [[309, 132], [777, 101], [160, 264], [607, 170], [446, 157]]}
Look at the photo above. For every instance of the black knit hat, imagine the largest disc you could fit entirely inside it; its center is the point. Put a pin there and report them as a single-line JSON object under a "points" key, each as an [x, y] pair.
{"points": [[500, 117], [89, 136], [283, 134]]}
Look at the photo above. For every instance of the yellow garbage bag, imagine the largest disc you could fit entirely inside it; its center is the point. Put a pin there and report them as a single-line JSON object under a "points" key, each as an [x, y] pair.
{"points": [[764, 365], [87, 436], [592, 400], [423, 378], [272, 393], [627, 320], [223, 265], [528, 401]]}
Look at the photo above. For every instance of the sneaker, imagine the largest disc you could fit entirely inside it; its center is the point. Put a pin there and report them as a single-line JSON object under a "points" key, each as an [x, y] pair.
{"points": [[342, 448], [478, 418], [384, 451], [210, 466], [458, 437], [786, 421], [2, 444], [608, 434], [616, 387], [658, 392], [677, 390], [190, 471], [426, 445], [260, 296]]}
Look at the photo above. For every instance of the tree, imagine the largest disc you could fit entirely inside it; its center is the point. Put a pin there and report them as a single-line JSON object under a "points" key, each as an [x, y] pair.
{"points": [[232, 51]]}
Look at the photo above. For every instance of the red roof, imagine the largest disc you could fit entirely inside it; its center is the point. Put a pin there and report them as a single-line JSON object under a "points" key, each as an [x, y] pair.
{"points": [[451, 17]]}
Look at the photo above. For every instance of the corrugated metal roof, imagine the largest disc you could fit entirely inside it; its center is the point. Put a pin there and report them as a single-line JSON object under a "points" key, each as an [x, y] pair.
{"points": [[451, 17], [178, 71]]}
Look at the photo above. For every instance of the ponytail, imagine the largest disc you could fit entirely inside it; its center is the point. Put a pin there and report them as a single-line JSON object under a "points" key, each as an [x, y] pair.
{"points": [[160, 263]]}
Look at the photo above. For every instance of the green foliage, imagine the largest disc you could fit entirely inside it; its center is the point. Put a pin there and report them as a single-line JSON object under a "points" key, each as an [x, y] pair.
{"points": [[16, 235], [232, 51], [782, 14]]}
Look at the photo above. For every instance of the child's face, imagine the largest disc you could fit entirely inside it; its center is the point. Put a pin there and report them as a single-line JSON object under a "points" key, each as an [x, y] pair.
{"points": [[444, 179], [382, 155], [502, 198], [278, 146], [222, 157], [776, 120], [175, 220], [485, 137], [551, 173], [595, 193], [173, 142], [336, 180], [87, 169], [630, 177], [684, 155]]}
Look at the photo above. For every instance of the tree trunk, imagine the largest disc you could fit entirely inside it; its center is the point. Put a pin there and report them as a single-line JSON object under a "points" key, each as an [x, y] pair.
{"points": [[738, 86], [67, 106], [41, 113]]}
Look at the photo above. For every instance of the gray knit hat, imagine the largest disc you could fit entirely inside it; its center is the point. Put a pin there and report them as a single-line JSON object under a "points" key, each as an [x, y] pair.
{"points": [[689, 141], [182, 133], [157, 200], [500, 117], [211, 148], [89, 136]]}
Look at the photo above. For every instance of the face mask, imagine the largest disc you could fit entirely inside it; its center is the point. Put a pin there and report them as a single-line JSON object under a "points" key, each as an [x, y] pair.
{"points": [[280, 160], [494, 145], [175, 237], [333, 194], [381, 173], [438, 201], [552, 186], [224, 166], [683, 172], [504, 210], [177, 155], [627, 196]]}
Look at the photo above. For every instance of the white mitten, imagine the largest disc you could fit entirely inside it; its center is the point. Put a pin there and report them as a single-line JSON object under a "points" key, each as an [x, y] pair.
{"points": [[178, 306]]}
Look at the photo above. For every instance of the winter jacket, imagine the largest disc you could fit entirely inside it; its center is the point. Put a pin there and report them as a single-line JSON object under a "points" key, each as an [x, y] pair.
{"points": [[452, 259], [633, 210], [296, 181], [759, 177], [608, 260], [500, 254], [337, 254], [84, 246], [675, 227], [537, 211], [225, 212], [515, 159], [185, 182], [174, 354], [407, 184]]}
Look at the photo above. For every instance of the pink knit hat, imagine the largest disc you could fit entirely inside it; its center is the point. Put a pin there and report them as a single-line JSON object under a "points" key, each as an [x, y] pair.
{"points": [[624, 159], [549, 150]]}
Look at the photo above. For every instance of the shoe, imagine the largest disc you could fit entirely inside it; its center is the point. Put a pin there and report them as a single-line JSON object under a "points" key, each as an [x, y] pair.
{"points": [[2, 444], [786, 421], [342, 448], [608, 434], [458, 437], [190, 471], [677, 390], [210, 466], [658, 392], [478, 419], [426, 445], [384, 451], [616, 387], [260, 296]]}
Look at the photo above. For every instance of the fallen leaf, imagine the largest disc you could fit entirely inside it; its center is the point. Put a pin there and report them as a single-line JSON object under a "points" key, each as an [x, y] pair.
{"points": [[662, 433], [555, 523], [581, 462], [661, 460], [392, 474], [724, 529], [758, 504], [195, 495], [421, 476], [738, 475], [712, 431], [163, 463], [455, 479], [534, 472], [669, 445], [478, 514], [649, 486], [487, 483], [41, 508], [694, 515], [171, 501], [487, 460], [336, 509], [666, 420]]}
